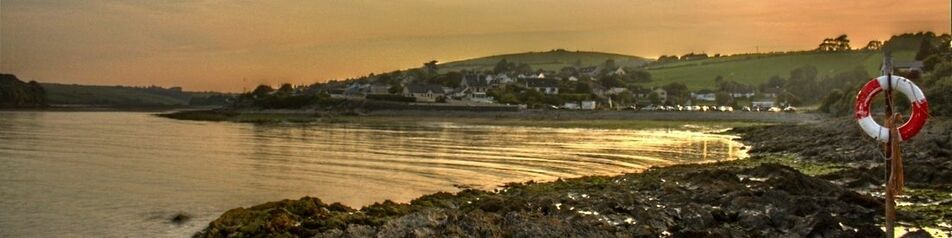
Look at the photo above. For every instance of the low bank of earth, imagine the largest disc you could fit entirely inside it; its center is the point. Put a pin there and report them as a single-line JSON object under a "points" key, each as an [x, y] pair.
{"points": [[537, 118], [807, 180]]}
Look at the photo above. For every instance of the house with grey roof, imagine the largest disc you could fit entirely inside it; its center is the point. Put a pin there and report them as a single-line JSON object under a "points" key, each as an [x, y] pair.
{"points": [[545, 86], [424, 92]]}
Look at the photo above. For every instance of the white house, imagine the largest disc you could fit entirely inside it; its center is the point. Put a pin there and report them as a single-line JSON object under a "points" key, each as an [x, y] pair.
{"points": [[503, 79], [619, 71], [571, 105], [424, 92], [704, 95], [662, 94], [588, 105], [763, 103], [545, 86], [377, 89]]}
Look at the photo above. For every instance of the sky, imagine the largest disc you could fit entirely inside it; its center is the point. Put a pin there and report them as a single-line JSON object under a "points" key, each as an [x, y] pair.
{"points": [[233, 45]]}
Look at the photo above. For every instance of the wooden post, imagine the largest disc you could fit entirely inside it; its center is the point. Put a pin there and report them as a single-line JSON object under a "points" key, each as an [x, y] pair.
{"points": [[890, 203], [891, 191]]}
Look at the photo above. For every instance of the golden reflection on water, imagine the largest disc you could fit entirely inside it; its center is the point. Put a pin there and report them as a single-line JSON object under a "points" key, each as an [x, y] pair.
{"points": [[120, 174]]}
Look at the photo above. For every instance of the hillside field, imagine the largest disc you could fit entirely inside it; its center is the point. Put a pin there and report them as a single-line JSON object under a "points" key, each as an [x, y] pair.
{"points": [[549, 60], [755, 69]]}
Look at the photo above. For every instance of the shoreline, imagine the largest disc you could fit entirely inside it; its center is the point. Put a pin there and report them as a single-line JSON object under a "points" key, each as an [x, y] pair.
{"points": [[774, 192], [537, 118]]}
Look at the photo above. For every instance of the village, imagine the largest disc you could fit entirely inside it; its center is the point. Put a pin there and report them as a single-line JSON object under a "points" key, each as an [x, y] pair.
{"points": [[512, 88]]}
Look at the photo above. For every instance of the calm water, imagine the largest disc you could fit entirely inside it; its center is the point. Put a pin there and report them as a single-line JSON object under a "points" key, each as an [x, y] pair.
{"points": [[118, 174]]}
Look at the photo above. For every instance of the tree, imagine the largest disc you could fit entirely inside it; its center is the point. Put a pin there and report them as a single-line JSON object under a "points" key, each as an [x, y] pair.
{"points": [[787, 99], [503, 66], [842, 43], [667, 58], [926, 49], [524, 68], [262, 91], [611, 81], [803, 83], [395, 89], [609, 64], [654, 98], [722, 98], [285, 89], [431, 67], [873, 45], [677, 92], [830, 102], [774, 82], [640, 76], [583, 87]]}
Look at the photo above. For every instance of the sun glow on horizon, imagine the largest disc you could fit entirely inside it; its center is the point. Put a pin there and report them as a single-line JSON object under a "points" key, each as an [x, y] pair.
{"points": [[227, 46]]}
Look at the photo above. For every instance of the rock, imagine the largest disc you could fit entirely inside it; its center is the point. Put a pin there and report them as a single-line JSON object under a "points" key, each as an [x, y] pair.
{"points": [[180, 218], [917, 234]]}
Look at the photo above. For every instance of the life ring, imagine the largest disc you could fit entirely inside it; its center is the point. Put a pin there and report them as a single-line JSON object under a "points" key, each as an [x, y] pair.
{"points": [[920, 108]]}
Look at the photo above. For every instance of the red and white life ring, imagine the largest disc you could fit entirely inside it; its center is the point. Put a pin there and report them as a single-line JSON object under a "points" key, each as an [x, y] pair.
{"points": [[920, 108]]}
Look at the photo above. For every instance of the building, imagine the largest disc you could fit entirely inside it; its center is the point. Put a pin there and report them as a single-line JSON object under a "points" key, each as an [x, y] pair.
{"points": [[704, 95], [588, 105], [473, 83], [771, 92], [591, 71], [424, 92], [662, 94], [501, 79], [619, 71], [743, 93], [378, 89], [908, 69], [763, 104], [602, 92], [638, 92], [545, 86]]}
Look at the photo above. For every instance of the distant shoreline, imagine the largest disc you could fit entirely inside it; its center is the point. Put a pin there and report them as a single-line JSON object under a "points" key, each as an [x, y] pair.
{"points": [[110, 108]]}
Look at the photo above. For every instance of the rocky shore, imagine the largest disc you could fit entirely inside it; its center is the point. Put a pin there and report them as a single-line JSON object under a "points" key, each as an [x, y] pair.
{"points": [[813, 180]]}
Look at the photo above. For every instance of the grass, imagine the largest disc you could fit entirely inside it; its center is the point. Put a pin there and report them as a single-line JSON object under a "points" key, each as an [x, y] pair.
{"points": [[549, 60], [756, 69]]}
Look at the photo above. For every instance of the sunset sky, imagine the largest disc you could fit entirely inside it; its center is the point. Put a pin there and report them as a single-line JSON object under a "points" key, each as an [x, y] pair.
{"points": [[229, 45]]}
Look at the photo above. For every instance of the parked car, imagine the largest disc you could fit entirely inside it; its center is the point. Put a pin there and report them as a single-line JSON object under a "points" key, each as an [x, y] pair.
{"points": [[774, 109], [789, 109]]}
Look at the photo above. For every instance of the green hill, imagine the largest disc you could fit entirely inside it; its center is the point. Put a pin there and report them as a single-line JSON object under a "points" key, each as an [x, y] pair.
{"points": [[757, 68], [549, 60], [18, 94], [114, 95]]}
